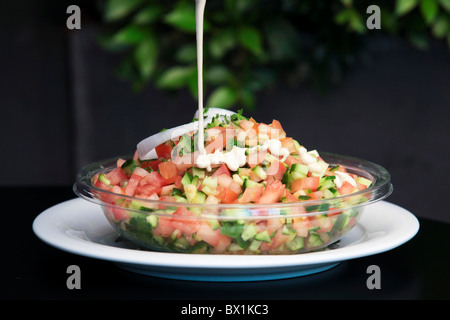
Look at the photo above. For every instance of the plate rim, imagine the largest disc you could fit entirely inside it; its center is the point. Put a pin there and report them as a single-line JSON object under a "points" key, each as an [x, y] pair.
{"points": [[199, 261]]}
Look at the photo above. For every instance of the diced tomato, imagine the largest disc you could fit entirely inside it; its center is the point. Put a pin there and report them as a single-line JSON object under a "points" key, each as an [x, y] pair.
{"points": [[135, 178], [278, 239], [136, 156], [272, 192], [325, 224], [178, 183], [147, 190], [185, 221], [273, 224], [361, 186], [116, 176], [277, 125], [301, 225], [223, 169], [256, 158], [168, 171], [120, 162], [311, 183], [226, 195], [254, 121], [276, 169], [289, 197], [216, 139], [102, 185], [154, 178], [291, 160], [164, 228], [151, 164], [316, 195], [251, 195], [183, 163], [164, 151], [222, 245], [207, 234], [288, 143], [119, 213], [246, 124], [166, 190], [226, 181], [346, 188]]}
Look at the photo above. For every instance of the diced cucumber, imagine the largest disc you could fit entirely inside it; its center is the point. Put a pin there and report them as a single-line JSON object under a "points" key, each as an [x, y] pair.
{"points": [[327, 183], [184, 145], [195, 181], [238, 179], [214, 224], [298, 171], [180, 199], [181, 243], [314, 240], [263, 236], [234, 247], [244, 172], [296, 244], [249, 232], [248, 183], [152, 220], [210, 182], [187, 179], [198, 172], [200, 197], [254, 245], [129, 166], [296, 144], [259, 172], [364, 181], [102, 178], [191, 191]]}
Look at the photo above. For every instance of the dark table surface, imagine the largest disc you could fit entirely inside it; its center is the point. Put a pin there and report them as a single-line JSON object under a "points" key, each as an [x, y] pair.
{"points": [[33, 270]]}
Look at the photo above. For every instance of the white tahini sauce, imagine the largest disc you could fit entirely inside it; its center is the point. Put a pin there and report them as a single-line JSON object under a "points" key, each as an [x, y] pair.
{"points": [[309, 160], [199, 14], [236, 157], [341, 177]]}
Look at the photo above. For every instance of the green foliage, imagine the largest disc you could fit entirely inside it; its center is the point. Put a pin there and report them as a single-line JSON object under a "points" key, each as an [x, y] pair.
{"points": [[250, 45]]}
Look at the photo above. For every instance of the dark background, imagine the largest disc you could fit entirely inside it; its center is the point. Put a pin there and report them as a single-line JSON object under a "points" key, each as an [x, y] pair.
{"points": [[62, 107]]}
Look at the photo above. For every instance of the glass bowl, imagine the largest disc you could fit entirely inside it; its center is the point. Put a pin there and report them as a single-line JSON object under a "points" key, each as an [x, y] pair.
{"points": [[243, 229]]}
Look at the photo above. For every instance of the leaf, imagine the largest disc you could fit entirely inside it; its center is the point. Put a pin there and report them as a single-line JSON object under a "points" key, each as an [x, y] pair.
{"points": [[175, 77], [429, 9], [402, 7], [222, 97], [250, 38], [130, 34], [221, 42], [418, 39], [118, 9], [183, 17], [441, 26], [218, 74], [145, 55], [352, 18], [445, 4], [148, 14], [282, 38], [187, 53], [248, 99]]}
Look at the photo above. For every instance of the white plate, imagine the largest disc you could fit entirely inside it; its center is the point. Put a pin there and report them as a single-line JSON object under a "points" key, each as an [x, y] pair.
{"points": [[80, 227]]}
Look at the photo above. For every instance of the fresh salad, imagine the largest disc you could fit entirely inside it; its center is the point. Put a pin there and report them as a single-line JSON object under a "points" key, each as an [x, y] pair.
{"points": [[242, 162]]}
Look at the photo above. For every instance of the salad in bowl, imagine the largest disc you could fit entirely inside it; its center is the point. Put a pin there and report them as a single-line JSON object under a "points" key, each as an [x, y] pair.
{"points": [[240, 187]]}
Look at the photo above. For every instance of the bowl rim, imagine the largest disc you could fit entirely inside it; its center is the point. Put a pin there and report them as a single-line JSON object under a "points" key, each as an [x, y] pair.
{"points": [[381, 188]]}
